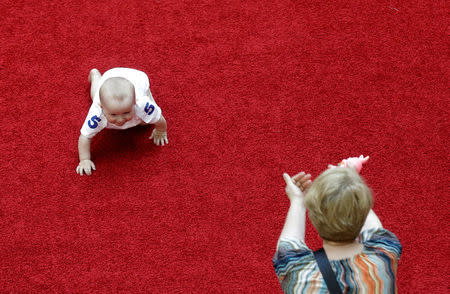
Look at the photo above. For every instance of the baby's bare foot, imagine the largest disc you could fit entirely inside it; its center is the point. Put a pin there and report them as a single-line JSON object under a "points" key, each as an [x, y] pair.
{"points": [[94, 78], [94, 73]]}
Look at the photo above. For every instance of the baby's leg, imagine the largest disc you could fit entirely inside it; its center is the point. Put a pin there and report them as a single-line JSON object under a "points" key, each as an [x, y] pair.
{"points": [[94, 78]]}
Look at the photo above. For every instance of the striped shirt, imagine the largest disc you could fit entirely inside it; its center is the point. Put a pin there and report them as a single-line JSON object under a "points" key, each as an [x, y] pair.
{"points": [[373, 270]]}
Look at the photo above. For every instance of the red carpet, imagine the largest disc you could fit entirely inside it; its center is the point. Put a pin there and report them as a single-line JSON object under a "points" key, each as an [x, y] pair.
{"points": [[250, 89]]}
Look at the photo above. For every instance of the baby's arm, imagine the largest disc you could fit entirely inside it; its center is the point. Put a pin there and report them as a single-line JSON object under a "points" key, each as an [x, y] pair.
{"points": [[161, 124], [84, 152], [159, 133]]}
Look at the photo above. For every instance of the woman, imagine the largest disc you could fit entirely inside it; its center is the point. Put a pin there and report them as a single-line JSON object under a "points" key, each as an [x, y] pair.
{"points": [[363, 255]]}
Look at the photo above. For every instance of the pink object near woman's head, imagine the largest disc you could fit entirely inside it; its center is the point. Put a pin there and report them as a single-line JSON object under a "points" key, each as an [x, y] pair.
{"points": [[355, 162]]}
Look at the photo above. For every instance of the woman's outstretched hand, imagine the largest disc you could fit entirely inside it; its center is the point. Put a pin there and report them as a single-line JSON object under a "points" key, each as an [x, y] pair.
{"points": [[297, 185]]}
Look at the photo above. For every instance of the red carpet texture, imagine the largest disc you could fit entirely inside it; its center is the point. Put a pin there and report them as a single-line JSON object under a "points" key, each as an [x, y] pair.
{"points": [[250, 89]]}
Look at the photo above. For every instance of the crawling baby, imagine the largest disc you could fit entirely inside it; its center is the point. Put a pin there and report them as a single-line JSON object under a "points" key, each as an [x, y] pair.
{"points": [[121, 99]]}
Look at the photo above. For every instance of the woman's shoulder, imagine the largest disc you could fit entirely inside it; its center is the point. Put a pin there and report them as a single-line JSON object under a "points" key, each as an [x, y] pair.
{"points": [[381, 239], [377, 234], [292, 256], [292, 251], [292, 244]]}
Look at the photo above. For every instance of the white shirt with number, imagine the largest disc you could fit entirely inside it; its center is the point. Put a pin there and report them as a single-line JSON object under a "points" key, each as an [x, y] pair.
{"points": [[145, 109]]}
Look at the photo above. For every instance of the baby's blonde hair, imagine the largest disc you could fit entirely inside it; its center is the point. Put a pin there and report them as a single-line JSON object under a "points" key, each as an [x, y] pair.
{"points": [[338, 202], [116, 90]]}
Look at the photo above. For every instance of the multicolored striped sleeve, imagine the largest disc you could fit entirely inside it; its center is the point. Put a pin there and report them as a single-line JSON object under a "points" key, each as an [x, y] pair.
{"points": [[290, 253], [384, 241], [296, 268]]}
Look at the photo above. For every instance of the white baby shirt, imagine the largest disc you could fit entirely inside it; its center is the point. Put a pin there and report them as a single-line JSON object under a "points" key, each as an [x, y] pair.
{"points": [[145, 108]]}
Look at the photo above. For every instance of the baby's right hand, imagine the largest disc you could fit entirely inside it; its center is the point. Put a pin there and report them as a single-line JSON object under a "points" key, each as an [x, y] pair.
{"points": [[86, 166], [159, 137]]}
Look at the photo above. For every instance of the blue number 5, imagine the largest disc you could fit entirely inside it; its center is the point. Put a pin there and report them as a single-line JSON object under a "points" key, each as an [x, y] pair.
{"points": [[149, 108], [93, 122]]}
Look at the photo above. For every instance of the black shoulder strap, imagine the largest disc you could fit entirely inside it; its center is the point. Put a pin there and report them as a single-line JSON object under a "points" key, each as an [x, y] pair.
{"points": [[327, 271]]}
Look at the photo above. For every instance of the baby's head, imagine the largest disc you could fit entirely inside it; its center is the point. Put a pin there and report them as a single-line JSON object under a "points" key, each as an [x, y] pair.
{"points": [[338, 202], [117, 99]]}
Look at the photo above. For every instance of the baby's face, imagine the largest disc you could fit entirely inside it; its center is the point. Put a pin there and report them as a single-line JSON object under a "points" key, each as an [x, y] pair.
{"points": [[118, 114], [117, 100]]}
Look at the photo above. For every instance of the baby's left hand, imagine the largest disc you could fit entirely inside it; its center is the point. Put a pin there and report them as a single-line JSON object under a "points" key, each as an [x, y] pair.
{"points": [[159, 137]]}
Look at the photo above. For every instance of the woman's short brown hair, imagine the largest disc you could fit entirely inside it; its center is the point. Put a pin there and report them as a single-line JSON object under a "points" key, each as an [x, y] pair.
{"points": [[338, 202]]}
